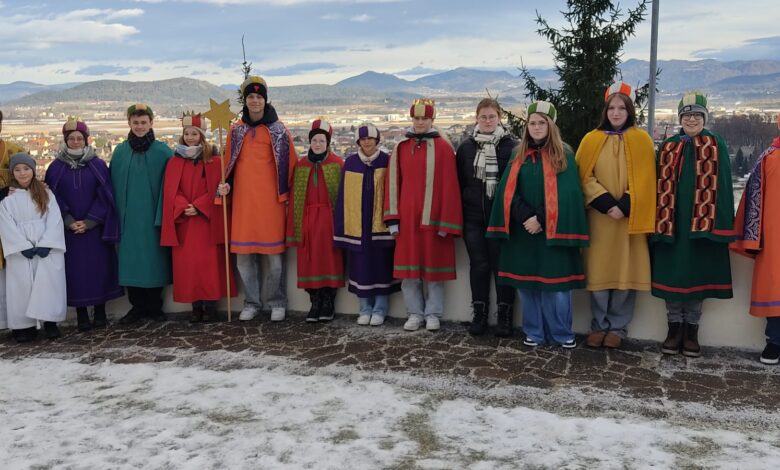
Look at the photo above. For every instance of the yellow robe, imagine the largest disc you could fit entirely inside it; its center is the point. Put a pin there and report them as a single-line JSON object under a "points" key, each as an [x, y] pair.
{"points": [[6, 150], [615, 258]]}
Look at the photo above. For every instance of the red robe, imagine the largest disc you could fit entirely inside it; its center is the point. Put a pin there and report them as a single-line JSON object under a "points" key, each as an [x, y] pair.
{"points": [[310, 222], [197, 241], [414, 177]]}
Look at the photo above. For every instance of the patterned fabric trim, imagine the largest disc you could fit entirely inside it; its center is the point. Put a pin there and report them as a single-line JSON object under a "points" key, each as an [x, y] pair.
{"points": [[706, 192], [753, 191]]}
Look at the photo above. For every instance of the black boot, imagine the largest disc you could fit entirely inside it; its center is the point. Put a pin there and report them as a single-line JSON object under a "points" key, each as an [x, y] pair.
{"points": [[504, 323], [82, 319], [197, 312], [100, 320], [314, 312], [51, 330], [209, 311], [327, 303], [479, 319], [153, 304], [674, 338], [690, 345], [24, 335]]}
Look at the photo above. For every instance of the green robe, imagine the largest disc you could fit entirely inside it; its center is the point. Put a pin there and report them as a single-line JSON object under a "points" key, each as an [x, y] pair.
{"points": [[138, 179], [695, 265], [550, 260]]}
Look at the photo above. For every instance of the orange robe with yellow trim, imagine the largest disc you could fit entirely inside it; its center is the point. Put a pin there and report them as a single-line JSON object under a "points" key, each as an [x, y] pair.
{"points": [[259, 218]]}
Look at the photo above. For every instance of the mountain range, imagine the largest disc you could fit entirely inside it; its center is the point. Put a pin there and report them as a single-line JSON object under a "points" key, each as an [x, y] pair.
{"points": [[745, 81]]}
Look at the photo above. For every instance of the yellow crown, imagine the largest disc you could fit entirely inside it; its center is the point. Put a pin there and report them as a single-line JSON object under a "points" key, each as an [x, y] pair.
{"points": [[424, 102]]}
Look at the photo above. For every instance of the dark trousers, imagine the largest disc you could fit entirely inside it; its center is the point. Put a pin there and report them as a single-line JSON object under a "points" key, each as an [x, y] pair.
{"points": [[773, 330], [146, 299], [483, 264]]}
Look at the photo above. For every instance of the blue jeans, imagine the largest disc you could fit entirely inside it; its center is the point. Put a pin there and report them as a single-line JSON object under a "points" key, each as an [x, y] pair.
{"points": [[374, 305], [547, 316], [275, 279], [416, 304]]}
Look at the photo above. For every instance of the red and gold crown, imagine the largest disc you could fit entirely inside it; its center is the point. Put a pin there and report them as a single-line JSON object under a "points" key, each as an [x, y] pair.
{"points": [[423, 107]]}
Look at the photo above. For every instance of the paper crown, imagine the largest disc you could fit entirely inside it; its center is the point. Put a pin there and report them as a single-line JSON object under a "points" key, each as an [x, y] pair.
{"points": [[620, 87], [321, 126], [140, 107], [75, 124], [543, 107], [423, 107], [193, 119], [367, 130]]}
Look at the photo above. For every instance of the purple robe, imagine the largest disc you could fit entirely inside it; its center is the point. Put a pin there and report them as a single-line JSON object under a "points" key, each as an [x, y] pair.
{"points": [[360, 230], [90, 260]]}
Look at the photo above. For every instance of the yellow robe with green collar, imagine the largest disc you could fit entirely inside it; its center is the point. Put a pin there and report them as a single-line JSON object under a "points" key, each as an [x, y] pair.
{"points": [[6, 150]]}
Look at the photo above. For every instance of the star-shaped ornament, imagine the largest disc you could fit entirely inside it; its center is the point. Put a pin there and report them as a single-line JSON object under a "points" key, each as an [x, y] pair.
{"points": [[220, 114]]}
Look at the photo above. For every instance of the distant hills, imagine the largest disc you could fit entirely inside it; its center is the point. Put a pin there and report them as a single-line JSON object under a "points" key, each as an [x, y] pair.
{"points": [[746, 81]]}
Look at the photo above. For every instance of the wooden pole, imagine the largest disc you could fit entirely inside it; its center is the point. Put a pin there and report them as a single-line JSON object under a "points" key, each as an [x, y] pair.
{"points": [[225, 228]]}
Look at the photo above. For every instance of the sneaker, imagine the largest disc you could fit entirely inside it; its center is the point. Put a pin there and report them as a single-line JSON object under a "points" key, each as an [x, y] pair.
{"points": [[377, 320], [277, 314], [413, 323], [364, 319], [771, 354], [432, 323], [571, 344], [528, 341], [248, 313]]}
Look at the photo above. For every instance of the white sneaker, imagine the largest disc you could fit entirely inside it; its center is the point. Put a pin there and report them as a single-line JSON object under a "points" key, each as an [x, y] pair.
{"points": [[248, 313], [277, 314], [413, 323], [377, 320], [364, 319], [432, 323]]}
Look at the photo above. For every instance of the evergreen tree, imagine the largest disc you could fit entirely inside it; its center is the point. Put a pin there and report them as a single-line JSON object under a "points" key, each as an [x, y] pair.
{"points": [[586, 54]]}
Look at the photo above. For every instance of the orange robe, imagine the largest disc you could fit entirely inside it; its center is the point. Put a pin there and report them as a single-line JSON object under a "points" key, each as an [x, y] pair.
{"points": [[259, 218], [758, 232]]}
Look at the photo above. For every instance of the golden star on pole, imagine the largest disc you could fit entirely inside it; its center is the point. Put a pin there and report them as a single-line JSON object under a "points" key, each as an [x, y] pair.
{"points": [[219, 114]]}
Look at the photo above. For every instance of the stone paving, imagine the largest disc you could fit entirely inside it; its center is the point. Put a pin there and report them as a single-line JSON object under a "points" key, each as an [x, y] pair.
{"points": [[722, 379]]}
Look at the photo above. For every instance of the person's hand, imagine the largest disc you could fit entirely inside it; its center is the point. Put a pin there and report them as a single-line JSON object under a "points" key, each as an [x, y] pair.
{"points": [[223, 189], [78, 227], [442, 234], [393, 229], [42, 251], [615, 213], [28, 253], [190, 211], [532, 225]]}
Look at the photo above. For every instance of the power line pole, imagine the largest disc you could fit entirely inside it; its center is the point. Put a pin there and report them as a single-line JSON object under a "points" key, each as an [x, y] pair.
{"points": [[653, 67]]}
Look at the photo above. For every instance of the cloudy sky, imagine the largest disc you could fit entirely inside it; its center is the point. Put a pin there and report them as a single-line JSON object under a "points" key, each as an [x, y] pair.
{"points": [[323, 41]]}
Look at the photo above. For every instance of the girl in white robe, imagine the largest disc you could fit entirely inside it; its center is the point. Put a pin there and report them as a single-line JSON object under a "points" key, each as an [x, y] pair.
{"points": [[32, 234]]}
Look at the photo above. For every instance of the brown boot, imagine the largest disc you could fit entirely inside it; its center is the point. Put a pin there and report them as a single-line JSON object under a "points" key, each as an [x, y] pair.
{"points": [[595, 339], [691, 340], [673, 341], [612, 340]]}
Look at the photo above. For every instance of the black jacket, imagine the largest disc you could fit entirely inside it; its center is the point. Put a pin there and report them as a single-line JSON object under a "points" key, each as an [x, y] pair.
{"points": [[476, 205]]}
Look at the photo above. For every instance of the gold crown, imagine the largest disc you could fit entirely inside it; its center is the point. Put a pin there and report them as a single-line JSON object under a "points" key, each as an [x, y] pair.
{"points": [[71, 124], [424, 102]]}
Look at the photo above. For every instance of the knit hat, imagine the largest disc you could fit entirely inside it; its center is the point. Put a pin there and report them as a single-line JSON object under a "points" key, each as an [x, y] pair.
{"points": [[693, 103], [543, 107], [74, 124], [321, 126], [193, 119], [423, 107], [367, 130], [254, 84], [140, 108], [620, 87], [21, 158]]}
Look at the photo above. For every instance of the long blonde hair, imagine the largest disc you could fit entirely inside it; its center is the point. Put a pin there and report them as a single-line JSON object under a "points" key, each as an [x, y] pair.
{"points": [[38, 192], [553, 147]]}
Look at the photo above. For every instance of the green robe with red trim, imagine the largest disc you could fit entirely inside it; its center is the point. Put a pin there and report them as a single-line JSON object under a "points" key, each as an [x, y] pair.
{"points": [[693, 264], [550, 260]]}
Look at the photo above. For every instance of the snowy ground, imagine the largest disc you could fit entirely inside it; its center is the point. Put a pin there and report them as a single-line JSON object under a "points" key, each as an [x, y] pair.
{"points": [[219, 410]]}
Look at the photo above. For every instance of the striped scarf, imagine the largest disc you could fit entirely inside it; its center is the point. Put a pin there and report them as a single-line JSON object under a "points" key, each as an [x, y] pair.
{"points": [[485, 162]]}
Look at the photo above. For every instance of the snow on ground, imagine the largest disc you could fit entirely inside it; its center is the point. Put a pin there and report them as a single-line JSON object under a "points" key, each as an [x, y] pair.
{"points": [[195, 414]]}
